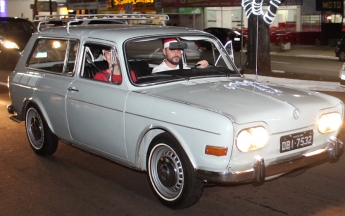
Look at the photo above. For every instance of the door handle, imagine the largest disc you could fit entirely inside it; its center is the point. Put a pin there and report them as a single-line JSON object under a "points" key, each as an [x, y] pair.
{"points": [[72, 89]]}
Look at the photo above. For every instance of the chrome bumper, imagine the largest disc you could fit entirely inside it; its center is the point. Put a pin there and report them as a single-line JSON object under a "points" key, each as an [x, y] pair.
{"points": [[259, 171]]}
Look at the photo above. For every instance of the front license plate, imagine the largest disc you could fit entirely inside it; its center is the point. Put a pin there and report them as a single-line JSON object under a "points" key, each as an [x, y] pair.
{"points": [[296, 141]]}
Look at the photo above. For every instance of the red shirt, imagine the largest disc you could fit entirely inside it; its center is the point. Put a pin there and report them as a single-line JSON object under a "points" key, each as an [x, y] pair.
{"points": [[116, 77]]}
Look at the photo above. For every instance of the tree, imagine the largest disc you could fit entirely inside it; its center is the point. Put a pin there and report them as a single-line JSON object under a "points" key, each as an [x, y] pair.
{"points": [[258, 56], [259, 48]]}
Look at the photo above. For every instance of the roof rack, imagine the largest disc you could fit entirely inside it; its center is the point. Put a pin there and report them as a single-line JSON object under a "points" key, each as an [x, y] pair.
{"points": [[73, 18]]}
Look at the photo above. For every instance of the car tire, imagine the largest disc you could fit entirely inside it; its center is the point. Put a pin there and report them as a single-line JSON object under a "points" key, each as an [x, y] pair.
{"points": [[171, 174], [41, 138], [342, 56]]}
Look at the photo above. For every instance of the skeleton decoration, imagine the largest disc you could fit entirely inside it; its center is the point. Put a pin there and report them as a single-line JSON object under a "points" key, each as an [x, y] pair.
{"points": [[255, 7]]}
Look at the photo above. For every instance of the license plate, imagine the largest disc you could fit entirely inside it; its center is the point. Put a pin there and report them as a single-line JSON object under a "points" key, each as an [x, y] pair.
{"points": [[296, 141]]}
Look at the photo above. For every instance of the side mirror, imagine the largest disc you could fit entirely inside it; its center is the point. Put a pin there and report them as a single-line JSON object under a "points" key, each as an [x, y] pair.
{"points": [[178, 45]]}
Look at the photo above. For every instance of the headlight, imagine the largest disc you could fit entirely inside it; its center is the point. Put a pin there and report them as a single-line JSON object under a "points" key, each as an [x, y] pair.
{"points": [[329, 122], [10, 45], [251, 138]]}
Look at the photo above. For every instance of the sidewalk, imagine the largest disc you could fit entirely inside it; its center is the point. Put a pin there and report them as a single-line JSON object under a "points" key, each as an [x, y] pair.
{"points": [[308, 51]]}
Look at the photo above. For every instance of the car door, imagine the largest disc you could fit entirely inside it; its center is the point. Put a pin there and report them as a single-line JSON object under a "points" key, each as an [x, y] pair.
{"points": [[95, 108]]}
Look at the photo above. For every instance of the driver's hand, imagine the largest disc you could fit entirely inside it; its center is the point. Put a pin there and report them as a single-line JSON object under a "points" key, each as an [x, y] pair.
{"points": [[202, 64]]}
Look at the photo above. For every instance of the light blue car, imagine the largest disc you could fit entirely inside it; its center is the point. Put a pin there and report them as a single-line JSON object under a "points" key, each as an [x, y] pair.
{"points": [[185, 127]]}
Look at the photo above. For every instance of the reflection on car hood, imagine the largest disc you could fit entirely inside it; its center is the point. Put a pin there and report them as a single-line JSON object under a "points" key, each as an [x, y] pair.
{"points": [[246, 101]]}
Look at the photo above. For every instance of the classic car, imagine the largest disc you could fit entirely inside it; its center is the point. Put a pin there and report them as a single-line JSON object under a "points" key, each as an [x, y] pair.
{"points": [[184, 127]]}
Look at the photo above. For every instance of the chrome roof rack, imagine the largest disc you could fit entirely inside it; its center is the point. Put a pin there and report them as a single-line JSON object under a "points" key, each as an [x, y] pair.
{"points": [[73, 18]]}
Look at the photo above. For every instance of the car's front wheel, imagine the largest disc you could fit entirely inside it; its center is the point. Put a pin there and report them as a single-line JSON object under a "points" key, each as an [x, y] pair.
{"points": [[41, 138], [171, 173], [342, 56]]}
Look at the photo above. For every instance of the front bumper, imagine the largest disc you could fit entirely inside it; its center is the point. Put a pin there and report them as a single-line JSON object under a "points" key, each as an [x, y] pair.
{"points": [[259, 171]]}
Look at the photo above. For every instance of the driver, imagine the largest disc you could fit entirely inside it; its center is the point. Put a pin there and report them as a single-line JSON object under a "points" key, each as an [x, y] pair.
{"points": [[172, 58]]}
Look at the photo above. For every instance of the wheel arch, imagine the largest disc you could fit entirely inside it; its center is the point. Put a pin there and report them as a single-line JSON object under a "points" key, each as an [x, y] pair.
{"points": [[146, 138], [30, 102]]}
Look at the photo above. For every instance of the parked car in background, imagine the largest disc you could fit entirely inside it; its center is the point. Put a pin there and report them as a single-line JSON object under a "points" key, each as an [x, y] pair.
{"points": [[226, 34], [340, 49], [14, 34], [184, 127]]}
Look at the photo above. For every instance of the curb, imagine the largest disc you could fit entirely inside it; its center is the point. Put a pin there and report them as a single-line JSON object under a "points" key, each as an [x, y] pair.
{"points": [[318, 56], [305, 55], [304, 84]]}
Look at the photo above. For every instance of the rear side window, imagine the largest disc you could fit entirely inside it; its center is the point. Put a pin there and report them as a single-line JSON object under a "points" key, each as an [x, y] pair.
{"points": [[54, 55]]}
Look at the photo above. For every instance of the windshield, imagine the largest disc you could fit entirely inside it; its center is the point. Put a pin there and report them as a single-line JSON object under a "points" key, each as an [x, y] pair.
{"points": [[171, 59]]}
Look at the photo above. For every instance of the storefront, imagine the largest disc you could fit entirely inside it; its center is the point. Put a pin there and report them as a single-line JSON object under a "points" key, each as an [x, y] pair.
{"points": [[228, 14], [111, 6]]}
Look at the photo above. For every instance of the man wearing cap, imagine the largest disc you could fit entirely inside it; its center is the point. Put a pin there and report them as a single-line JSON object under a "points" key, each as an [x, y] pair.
{"points": [[172, 58]]}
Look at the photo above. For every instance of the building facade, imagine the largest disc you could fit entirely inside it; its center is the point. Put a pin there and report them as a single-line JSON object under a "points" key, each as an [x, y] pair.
{"points": [[292, 15]]}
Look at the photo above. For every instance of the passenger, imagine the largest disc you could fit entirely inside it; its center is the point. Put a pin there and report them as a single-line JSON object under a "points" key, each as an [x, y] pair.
{"points": [[172, 58], [105, 74]]}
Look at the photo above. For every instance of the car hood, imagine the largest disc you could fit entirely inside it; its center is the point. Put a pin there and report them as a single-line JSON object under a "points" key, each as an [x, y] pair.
{"points": [[246, 101]]}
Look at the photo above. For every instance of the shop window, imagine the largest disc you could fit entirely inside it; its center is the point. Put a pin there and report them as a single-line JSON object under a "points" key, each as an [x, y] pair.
{"points": [[311, 22]]}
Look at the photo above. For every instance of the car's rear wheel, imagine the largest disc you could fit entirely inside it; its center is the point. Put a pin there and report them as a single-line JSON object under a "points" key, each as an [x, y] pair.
{"points": [[41, 138], [171, 173], [342, 56]]}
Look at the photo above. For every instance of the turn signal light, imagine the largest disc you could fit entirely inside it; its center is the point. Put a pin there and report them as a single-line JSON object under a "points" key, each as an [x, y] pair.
{"points": [[216, 150]]}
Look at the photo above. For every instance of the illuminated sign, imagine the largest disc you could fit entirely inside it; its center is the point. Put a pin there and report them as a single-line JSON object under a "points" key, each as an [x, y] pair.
{"points": [[200, 3], [330, 5], [82, 4], [3, 8], [123, 2]]}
